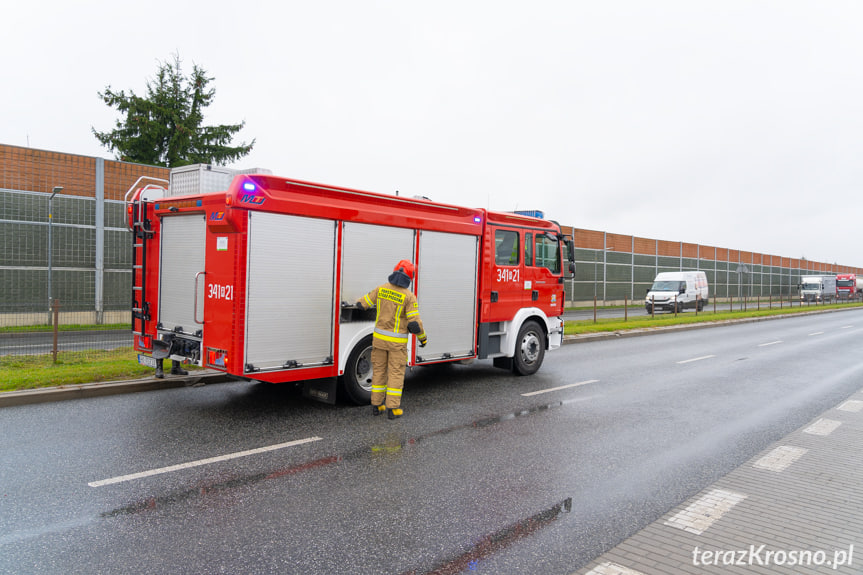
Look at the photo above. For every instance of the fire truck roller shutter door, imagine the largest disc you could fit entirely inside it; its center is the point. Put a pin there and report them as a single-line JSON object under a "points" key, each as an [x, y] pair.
{"points": [[289, 308], [182, 245], [447, 294], [368, 254]]}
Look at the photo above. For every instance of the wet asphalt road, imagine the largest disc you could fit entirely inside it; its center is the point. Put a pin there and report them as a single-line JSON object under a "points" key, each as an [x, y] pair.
{"points": [[476, 478]]}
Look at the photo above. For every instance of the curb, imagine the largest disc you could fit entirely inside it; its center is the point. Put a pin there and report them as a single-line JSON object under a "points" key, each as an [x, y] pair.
{"points": [[89, 390]]}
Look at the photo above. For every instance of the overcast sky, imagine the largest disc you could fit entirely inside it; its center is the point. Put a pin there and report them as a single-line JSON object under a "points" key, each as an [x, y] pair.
{"points": [[733, 124]]}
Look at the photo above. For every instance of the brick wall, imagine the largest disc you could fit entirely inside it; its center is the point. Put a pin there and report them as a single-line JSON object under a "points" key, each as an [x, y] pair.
{"points": [[30, 170]]}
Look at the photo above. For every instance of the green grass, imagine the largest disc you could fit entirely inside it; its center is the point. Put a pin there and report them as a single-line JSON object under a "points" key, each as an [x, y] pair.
{"points": [[688, 317], [31, 372]]}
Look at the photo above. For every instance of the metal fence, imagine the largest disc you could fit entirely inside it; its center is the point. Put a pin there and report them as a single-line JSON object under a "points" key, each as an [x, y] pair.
{"points": [[70, 250], [614, 277]]}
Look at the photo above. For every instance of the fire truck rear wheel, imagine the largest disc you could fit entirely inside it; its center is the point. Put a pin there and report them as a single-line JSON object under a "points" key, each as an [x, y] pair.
{"points": [[529, 348], [357, 380]]}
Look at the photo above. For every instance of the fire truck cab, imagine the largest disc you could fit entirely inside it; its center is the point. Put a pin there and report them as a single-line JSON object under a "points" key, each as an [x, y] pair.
{"points": [[259, 281]]}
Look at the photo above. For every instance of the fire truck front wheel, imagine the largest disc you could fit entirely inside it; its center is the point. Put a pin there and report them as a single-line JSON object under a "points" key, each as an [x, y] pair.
{"points": [[529, 348], [357, 380]]}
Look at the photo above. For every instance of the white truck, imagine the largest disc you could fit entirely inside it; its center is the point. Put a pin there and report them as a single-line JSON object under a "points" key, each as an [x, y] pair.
{"points": [[818, 288], [676, 291]]}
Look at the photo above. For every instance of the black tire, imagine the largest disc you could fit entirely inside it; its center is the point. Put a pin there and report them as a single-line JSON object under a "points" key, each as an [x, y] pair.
{"points": [[357, 380], [529, 349]]}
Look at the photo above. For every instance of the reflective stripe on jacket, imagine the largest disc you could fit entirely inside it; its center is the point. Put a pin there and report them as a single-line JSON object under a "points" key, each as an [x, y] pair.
{"points": [[396, 307]]}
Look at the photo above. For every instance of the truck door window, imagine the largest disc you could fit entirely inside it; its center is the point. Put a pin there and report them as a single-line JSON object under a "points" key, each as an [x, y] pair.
{"points": [[547, 253], [506, 248], [528, 249]]}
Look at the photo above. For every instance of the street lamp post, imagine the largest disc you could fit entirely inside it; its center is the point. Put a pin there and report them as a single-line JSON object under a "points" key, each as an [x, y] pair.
{"points": [[54, 192]]}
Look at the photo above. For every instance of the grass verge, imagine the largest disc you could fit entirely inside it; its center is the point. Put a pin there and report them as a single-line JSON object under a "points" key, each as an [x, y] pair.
{"points": [[35, 371], [689, 317]]}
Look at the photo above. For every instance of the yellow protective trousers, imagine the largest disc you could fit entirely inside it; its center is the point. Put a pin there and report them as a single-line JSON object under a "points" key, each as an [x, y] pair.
{"points": [[388, 375]]}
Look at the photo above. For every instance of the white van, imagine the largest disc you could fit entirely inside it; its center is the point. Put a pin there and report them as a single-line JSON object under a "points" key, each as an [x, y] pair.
{"points": [[677, 289]]}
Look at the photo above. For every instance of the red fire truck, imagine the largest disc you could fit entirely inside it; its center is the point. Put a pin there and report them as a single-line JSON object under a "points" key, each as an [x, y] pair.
{"points": [[254, 281]]}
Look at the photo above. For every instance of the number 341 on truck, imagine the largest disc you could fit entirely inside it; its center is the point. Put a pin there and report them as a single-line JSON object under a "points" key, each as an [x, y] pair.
{"points": [[246, 276]]}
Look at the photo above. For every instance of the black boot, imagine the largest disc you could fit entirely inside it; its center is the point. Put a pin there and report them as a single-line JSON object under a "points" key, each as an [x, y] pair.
{"points": [[176, 369], [394, 413], [160, 372], [378, 409]]}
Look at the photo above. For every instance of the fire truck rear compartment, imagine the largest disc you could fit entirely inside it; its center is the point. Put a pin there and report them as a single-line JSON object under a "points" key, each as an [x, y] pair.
{"points": [[181, 293]]}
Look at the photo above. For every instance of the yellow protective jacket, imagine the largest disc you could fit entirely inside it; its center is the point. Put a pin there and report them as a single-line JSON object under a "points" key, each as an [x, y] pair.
{"points": [[397, 307]]}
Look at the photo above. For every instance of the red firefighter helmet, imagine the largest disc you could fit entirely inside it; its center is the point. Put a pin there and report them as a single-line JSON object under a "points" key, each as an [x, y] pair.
{"points": [[407, 267]]}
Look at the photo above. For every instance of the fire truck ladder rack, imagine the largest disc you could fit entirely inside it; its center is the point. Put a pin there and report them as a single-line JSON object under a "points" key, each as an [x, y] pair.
{"points": [[141, 232], [140, 308]]}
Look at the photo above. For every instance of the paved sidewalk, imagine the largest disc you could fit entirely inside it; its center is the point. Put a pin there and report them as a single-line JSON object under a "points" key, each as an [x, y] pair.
{"points": [[796, 508]]}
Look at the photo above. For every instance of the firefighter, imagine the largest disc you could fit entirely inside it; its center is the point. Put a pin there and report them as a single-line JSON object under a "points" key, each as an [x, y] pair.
{"points": [[398, 314]]}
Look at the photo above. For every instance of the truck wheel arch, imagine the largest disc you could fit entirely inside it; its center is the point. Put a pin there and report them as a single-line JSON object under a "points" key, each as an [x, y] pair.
{"points": [[531, 343]]}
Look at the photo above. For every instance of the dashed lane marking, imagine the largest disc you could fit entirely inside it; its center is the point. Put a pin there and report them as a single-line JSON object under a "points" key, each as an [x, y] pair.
{"points": [[696, 359], [559, 388], [769, 343], [201, 462], [780, 458], [705, 511]]}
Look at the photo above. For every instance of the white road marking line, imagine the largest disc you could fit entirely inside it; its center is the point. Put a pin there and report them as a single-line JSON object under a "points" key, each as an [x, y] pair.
{"points": [[780, 458], [851, 405], [696, 359], [609, 568], [559, 388], [769, 343], [816, 333], [823, 427], [702, 513], [200, 462], [846, 327]]}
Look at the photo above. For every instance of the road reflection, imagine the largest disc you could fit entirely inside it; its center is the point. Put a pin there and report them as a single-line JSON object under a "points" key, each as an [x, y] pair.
{"points": [[471, 559], [392, 445]]}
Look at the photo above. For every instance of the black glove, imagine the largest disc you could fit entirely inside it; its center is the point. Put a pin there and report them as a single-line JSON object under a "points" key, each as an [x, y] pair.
{"points": [[423, 342]]}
